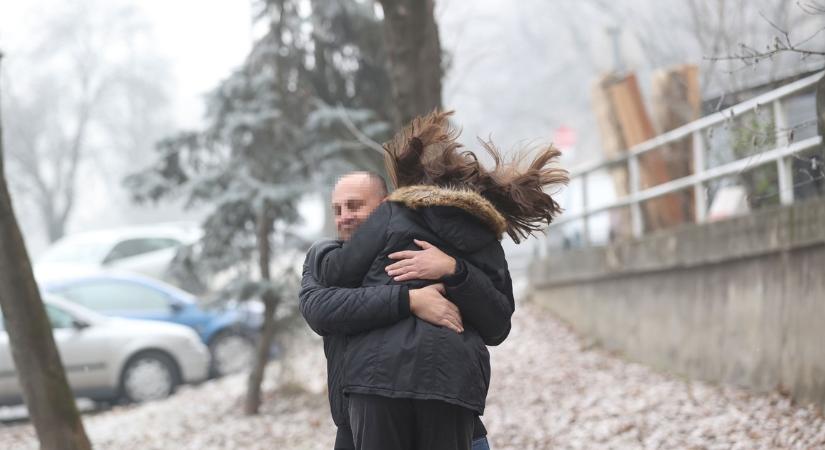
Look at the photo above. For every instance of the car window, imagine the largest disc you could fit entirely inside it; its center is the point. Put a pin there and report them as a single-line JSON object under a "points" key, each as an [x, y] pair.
{"points": [[127, 249], [59, 318], [2, 321], [161, 243], [134, 247], [117, 297], [74, 251]]}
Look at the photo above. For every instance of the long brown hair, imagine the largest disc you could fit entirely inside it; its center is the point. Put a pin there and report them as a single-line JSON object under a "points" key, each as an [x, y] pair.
{"points": [[426, 152]]}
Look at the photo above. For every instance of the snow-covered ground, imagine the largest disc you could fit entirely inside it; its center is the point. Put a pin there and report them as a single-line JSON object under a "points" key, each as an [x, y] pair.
{"points": [[548, 391]]}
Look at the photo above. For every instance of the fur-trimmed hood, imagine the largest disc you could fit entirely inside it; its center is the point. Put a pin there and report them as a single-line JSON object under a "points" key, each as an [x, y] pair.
{"points": [[421, 196]]}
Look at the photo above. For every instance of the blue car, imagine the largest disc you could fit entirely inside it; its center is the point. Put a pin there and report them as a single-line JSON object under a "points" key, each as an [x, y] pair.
{"points": [[229, 332]]}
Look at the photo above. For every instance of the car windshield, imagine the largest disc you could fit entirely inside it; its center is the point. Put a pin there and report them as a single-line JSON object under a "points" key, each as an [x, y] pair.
{"points": [[60, 314], [76, 251], [117, 297], [66, 307]]}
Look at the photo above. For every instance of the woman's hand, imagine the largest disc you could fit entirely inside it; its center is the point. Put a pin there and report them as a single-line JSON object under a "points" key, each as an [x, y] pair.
{"points": [[427, 264], [430, 305]]}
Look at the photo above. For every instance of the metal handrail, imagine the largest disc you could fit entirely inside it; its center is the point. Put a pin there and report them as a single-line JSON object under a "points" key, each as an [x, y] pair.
{"points": [[636, 196]]}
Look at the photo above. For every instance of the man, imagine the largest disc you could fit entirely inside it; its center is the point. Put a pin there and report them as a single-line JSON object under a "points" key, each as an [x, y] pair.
{"points": [[337, 312]]}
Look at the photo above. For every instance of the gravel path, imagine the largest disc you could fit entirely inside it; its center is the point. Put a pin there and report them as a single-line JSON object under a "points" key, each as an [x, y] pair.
{"points": [[547, 392]]}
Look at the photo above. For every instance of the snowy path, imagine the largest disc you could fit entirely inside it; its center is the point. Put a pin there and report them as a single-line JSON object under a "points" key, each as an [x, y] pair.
{"points": [[547, 392]]}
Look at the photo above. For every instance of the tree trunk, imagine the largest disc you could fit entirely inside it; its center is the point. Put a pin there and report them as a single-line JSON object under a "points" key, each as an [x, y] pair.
{"points": [[51, 405], [256, 376], [55, 226], [414, 52]]}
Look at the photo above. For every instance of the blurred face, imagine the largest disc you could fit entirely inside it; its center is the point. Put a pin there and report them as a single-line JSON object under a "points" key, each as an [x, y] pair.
{"points": [[353, 199]]}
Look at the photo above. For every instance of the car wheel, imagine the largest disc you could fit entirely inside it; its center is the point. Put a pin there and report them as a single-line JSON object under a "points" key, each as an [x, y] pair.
{"points": [[148, 376], [231, 352]]}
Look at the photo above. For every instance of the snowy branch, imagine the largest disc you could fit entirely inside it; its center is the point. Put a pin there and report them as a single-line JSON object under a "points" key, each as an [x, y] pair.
{"points": [[358, 134]]}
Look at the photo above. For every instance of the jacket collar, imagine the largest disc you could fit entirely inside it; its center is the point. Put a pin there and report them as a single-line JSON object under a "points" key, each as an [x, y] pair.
{"points": [[421, 196]]}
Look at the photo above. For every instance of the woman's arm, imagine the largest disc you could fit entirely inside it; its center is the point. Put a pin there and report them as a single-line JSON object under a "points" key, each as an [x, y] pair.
{"points": [[332, 310], [484, 296]]}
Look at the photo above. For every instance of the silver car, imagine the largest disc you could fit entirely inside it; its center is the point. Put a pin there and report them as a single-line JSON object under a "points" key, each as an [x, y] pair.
{"points": [[145, 249], [109, 359]]}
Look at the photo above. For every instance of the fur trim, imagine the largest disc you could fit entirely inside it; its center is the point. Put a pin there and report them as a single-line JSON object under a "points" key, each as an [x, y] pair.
{"points": [[421, 196]]}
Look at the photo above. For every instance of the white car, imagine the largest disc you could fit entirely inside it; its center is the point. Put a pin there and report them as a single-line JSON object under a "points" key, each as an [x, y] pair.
{"points": [[147, 249], [111, 359]]}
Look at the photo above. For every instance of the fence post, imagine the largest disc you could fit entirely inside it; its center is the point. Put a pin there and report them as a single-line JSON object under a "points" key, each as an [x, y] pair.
{"points": [[635, 207], [585, 212], [783, 165], [820, 110], [700, 195], [542, 246]]}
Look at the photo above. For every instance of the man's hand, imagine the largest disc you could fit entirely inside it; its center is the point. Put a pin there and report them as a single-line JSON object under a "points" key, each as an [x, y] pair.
{"points": [[427, 264], [429, 305]]}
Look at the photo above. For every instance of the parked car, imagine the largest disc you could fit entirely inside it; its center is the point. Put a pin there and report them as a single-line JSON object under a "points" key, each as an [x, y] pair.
{"points": [[108, 359], [147, 249], [229, 332]]}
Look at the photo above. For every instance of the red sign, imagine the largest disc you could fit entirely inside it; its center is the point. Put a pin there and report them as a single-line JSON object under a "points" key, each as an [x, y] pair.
{"points": [[564, 138]]}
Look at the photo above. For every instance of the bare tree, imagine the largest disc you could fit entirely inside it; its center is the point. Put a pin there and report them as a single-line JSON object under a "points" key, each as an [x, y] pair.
{"points": [[47, 156], [83, 74], [39, 369]]}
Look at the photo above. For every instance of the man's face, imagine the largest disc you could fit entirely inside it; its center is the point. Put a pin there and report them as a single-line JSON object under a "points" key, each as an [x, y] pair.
{"points": [[353, 200]]}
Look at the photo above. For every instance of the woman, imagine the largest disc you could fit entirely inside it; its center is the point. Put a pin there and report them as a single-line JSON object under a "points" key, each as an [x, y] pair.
{"points": [[414, 384]]}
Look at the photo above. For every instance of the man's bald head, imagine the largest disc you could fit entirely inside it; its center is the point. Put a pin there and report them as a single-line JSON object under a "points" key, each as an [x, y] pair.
{"points": [[354, 198]]}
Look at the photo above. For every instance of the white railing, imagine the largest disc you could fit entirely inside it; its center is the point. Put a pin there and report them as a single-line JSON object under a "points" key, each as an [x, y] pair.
{"points": [[781, 155]]}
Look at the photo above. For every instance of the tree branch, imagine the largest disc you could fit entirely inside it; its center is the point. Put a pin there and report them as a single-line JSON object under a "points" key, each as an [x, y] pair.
{"points": [[358, 134], [782, 42]]}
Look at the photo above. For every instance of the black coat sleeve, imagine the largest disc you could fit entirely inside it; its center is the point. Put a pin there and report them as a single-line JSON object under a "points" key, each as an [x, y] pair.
{"points": [[484, 296], [333, 310], [347, 265]]}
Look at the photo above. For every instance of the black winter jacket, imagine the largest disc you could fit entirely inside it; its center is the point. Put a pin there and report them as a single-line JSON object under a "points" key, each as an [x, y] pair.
{"points": [[335, 313], [412, 358]]}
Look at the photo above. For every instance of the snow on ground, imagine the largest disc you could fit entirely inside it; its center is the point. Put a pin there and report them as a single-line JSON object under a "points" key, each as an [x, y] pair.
{"points": [[548, 392]]}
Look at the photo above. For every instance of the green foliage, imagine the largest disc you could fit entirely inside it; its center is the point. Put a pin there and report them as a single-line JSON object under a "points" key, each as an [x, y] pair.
{"points": [[753, 135]]}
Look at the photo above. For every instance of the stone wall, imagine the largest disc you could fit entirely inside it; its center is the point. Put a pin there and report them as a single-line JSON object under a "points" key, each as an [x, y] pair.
{"points": [[740, 301]]}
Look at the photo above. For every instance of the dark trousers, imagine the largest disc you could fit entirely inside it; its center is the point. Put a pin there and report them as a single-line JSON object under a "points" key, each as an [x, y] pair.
{"points": [[383, 423]]}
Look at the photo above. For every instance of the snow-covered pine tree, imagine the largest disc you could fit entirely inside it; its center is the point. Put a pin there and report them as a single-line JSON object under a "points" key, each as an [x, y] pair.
{"points": [[299, 111]]}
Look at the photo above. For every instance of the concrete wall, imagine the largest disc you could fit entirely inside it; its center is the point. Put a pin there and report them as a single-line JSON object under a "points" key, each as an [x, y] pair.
{"points": [[740, 301]]}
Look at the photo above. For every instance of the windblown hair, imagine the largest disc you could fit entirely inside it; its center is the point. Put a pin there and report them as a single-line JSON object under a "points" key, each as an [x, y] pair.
{"points": [[426, 152]]}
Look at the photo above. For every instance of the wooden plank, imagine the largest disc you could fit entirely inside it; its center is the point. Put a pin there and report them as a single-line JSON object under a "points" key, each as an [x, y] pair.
{"points": [[610, 130], [630, 111], [613, 145], [675, 102], [636, 127]]}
